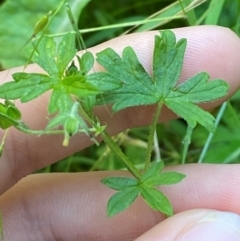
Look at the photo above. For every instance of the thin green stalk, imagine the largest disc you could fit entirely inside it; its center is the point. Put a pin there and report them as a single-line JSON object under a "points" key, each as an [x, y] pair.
{"points": [[2, 144], [233, 113], [75, 28], [44, 31], [191, 16], [210, 136], [156, 148], [113, 146], [186, 143], [151, 134], [38, 132], [119, 25], [69, 163], [116, 149]]}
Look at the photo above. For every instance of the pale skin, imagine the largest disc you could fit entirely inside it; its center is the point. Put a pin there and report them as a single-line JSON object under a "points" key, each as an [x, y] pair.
{"points": [[73, 206]]}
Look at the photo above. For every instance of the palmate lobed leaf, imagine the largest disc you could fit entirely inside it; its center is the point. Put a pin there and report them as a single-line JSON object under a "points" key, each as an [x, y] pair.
{"points": [[52, 59], [137, 87], [26, 86]]}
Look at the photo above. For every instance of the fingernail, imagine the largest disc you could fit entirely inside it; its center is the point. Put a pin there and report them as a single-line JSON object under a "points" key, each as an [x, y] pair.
{"points": [[217, 226]]}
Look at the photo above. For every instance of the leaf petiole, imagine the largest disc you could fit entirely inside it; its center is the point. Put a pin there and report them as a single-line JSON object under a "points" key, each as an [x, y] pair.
{"points": [[151, 134], [112, 145]]}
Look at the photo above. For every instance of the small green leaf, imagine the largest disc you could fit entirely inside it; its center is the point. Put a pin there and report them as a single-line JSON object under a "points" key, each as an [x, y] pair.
{"points": [[119, 183], [152, 171], [26, 87], [167, 61], [78, 86], [88, 102], [45, 55], [192, 114], [156, 200], [166, 178], [60, 100], [86, 62], [71, 70], [199, 89], [120, 201], [14, 113], [66, 52], [104, 81], [7, 117]]}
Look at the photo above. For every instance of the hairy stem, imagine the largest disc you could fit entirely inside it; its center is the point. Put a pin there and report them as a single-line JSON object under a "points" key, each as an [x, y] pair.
{"points": [[186, 143], [151, 134], [116, 149], [113, 146]]}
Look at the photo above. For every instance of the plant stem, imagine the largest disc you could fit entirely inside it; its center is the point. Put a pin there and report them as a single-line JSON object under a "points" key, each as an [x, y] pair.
{"points": [[151, 134], [186, 143], [209, 139], [112, 145], [116, 149]]}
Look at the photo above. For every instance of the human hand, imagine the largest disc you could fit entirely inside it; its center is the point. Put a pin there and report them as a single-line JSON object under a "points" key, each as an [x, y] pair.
{"points": [[73, 206]]}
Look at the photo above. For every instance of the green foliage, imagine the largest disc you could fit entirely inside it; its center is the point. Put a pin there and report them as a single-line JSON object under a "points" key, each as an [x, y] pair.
{"points": [[18, 28], [139, 88], [9, 115], [124, 83], [129, 188], [28, 86]]}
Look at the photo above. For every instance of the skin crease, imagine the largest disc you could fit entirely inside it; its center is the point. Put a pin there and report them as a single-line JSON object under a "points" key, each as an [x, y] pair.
{"points": [[73, 206]]}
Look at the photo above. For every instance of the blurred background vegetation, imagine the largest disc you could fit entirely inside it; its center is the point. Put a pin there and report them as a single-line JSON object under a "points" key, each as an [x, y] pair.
{"points": [[96, 20]]}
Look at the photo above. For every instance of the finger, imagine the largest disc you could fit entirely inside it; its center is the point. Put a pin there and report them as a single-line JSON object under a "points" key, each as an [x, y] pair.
{"points": [[207, 48], [73, 206], [197, 225]]}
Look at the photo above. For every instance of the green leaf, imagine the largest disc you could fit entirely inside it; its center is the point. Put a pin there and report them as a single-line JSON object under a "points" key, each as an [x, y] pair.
{"points": [[45, 55], [119, 183], [157, 200], [152, 171], [88, 102], [167, 62], [166, 178], [104, 81], [120, 201], [60, 100], [86, 62], [138, 88], [198, 89], [78, 86], [12, 110], [18, 28], [136, 85], [66, 52], [9, 116], [192, 114], [26, 87]]}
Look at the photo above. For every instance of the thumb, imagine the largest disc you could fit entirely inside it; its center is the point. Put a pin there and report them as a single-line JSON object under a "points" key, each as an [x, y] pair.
{"points": [[197, 225]]}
